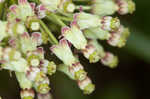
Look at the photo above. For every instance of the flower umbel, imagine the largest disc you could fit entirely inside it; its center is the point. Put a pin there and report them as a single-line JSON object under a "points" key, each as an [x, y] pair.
{"points": [[29, 27]]}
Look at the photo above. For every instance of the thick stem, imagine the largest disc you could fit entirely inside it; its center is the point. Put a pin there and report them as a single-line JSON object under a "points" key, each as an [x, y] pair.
{"points": [[54, 18], [83, 7], [68, 19], [1, 9], [52, 37]]}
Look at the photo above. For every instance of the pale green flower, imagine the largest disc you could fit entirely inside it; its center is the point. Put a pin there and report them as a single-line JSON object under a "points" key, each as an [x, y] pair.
{"points": [[51, 5], [97, 33], [63, 52], [3, 27], [19, 65], [86, 20], [104, 7]]}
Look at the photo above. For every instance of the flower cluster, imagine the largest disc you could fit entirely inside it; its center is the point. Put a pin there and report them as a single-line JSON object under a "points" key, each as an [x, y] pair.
{"points": [[29, 24]]}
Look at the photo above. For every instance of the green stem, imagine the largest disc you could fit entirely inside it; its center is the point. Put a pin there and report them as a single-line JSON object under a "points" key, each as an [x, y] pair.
{"points": [[81, 0], [1, 9], [84, 7], [65, 14], [65, 18], [52, 37], [54, 18]]}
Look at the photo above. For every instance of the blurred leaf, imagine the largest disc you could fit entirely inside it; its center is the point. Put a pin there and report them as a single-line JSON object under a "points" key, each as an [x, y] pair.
{"points": [[139, 45]]}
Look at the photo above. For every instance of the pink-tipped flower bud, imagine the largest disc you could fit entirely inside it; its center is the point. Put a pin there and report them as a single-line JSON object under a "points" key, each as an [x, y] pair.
{"points": [[110, 60], [77, 70], [27, 94], [109, 23], [63, 52], [86, 85], [125, 6], [119, 38]]}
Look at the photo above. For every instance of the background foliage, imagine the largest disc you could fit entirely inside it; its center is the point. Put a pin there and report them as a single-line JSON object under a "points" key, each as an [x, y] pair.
{"points": [[129, 81]]}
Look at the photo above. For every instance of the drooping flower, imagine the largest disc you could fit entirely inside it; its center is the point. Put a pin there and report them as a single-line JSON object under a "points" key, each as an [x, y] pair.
{"points": [[119, 37], [27, 94], [51, 5], [97, 33], [104, 7], [86, 85], [110, 60], [125, 6], [75, 36], [63, 52], [86, 20]]}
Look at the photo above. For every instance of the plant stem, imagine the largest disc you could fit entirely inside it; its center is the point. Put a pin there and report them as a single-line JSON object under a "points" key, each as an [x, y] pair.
{"points": [[54, 18], [81, 0], [65, 14], [83, 7], [1, 8], [53, 40], [65, 18]]}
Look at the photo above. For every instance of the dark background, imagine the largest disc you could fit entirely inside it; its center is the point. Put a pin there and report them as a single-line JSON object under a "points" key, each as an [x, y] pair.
{"points": [[129, 81]]}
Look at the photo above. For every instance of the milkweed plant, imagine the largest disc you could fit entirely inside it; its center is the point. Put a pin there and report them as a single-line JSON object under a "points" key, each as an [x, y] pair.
{"points": [[67, 27]]}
